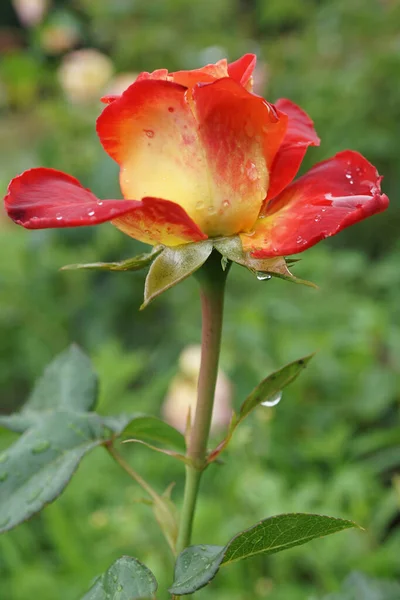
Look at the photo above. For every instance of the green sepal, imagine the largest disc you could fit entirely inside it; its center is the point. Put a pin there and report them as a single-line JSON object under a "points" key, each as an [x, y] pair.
{"points": [[126, 579], [265, 391], [136, 263], [264, 268], [197, 565], [174, 265]]}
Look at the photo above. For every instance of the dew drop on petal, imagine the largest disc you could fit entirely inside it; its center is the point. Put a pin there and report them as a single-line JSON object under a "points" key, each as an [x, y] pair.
{"points": [[251, 171], [200, 205], [59, 217], [90, 213], [273, 401], [226, 203], [149, 132]]}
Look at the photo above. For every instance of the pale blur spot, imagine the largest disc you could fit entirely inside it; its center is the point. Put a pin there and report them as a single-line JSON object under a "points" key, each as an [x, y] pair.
{"points": [[84, 74], [99, 519], [182, 393], [30, 12]]}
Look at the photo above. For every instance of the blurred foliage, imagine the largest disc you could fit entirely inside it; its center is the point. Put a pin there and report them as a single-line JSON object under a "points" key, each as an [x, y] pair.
{"points": [[332, 444]]}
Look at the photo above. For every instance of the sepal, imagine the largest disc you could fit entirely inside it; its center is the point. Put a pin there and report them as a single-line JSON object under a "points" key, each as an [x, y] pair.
{"points": [[136, 263], [264, 268], [174, 265]]}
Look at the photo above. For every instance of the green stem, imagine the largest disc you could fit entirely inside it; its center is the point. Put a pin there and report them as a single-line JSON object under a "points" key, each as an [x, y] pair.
{"points": [[212, 286]]}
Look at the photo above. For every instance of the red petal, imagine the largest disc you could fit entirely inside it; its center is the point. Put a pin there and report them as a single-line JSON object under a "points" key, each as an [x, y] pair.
{"points": [[242, 69], [300, 134], [334, 194], [42, 198], [159, 221], [240, 134]]}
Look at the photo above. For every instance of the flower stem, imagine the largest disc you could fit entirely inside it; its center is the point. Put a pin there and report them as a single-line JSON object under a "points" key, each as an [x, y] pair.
{"points": [[212, 286]]}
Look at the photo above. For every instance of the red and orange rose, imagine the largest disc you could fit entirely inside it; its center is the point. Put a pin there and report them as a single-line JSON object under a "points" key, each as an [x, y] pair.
{"points": [[202, 157]]}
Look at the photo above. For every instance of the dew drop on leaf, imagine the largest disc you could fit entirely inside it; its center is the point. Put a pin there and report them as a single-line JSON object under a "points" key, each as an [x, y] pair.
{"points": [[276, 398], [41, 447]]}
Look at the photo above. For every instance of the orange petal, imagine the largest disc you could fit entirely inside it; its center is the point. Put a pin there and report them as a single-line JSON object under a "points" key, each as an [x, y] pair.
{"points": [[206, 74], [159, 221], [240, 133], [152, 133]]}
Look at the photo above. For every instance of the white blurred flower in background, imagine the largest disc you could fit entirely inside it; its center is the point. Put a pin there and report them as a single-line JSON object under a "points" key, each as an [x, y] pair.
{"points": [[84, 75], [30, 12], [182, 393]]}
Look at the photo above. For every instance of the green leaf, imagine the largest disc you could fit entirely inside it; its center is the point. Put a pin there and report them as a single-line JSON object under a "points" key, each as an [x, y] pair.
{"points": [[126, 579], [264, 268], [143, 428], [39, 465], [272, 385], [268, 391], [131, 264], [69, 382], [358, 586], [174, 265], [197, 565]]}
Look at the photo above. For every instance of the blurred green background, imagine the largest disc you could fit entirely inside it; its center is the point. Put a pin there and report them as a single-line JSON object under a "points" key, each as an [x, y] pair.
{"points": [[333, 443]]}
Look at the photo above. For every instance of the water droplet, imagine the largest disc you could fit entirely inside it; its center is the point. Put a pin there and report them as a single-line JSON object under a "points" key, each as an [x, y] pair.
{"points": [[59, 217], [41, 447], [5, 522], [3, 476], [251, 171], [226, 203], [318, 218], [90, 213], [273, 401], [348, 175], [199, 205], [171, 109], [299, 239], [120, 587], [3, 457], [211, 210], [203, 548], [99, 202], [115, 578], [149, 132], [263, 276]]}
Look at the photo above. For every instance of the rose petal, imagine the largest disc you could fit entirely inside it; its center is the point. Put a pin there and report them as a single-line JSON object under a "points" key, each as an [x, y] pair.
{"points": [[43, 198], [241, 70], [240, 134], [159, 221], [334, 194], [300, 134], [152, 133], [206, 74]]}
